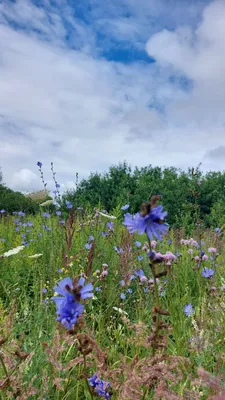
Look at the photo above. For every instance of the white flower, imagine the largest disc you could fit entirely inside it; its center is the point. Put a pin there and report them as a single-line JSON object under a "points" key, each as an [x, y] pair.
{"points": [[106, 215], [13, 251], [47, 203], [35, 256], [120, 310]]}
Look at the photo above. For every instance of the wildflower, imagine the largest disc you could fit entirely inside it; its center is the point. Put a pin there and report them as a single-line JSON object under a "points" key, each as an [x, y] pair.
{"points": [[143, 278], [217, 230], [24, 225], [39, 164], [104, 234], [205, 257], [2, 240], [60, 270], [122, 296], [13, 251], [132, 277], [91, 238], [2, 211], [88, 246], [211, 250], [150, 221], [104, 273], [189, 310], [17, 229], [68, 307], [68, 204], [207, 272], [47, 203], [122, 282], [140, 258], [57, 185], [30, 223], [169, 241], [110, 225], [61, 222], [46, 228], [21, 213], [104, 265], [129, 291], [223, 288], [125, 207], [36, 255], [153, 244], [169, 256], [45, 215], [98, 289], [118, 250], [58, 213], [138, 244], [100, 386], [28, 231], [190, 251], [155, 258], [44, 290], [197, 258], [40, 234], [106, 215], [25, 243]]}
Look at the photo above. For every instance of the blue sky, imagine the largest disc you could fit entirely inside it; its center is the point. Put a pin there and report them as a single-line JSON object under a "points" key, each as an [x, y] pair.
{"points": [[87, 84]]}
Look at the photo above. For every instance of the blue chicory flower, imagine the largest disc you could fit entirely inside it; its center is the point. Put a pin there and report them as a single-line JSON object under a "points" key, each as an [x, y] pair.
{"points": [[68, 204], [58, 213], [100, 386], [138, 244], [123, 296], [140, 258], [110, 225], [207, 272], [39, 164], [152, 224], [189, 310]]}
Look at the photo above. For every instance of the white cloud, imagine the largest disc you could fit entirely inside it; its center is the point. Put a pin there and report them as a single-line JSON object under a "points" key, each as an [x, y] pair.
{"points": [[64, 104]]}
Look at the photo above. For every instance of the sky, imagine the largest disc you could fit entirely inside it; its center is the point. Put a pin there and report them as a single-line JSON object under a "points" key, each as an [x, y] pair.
{"points": [[88, 83]]}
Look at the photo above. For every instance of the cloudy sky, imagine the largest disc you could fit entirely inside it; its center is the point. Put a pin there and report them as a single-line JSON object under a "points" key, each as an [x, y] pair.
{"points": [[89, 83]]}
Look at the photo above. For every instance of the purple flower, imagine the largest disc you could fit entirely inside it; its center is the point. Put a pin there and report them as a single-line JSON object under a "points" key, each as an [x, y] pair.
{"points": [[44, 290], [60, 270], [122, 282], [91, 238], [68, 204], [138, 244], [125, 207], [57, 185], [16, 221], [39, 164], [24, 225], [2, 211], [104, 234], [40, 234], [30, 223], [207, 272], [45, 215], [170, 241], [21, 214], [98, 289], [140, 258], [118, 250], [17, 229], [28, 230], [139, 273], [61, 222], [123, 296], [88, 246], [25, 243], [110, 225], [68, 308], [100, 386], [58, 213], [23, 236], [85, 291], [189, 310], [46, 228], [2, 240], [152, 223], [129, 291]]}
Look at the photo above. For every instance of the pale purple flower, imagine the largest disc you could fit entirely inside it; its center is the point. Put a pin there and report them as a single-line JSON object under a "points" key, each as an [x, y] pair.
{"points": [[58, 213], [88, 246], [205, 257], [68, 204], [123, 296], [211, 250], [125, 207], [189, 310], [138, 244], [207, 272], [39, 164]]}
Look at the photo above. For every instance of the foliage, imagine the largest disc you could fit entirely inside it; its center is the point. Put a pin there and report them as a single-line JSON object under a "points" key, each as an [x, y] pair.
{"points": [[188, 196], [15, 201]]}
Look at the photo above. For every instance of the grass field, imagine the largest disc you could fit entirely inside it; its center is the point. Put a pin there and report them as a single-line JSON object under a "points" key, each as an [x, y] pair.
{"points": [[148, 332]]}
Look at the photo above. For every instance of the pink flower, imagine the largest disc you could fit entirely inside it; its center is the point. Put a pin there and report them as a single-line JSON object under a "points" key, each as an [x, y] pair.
{"points": [[169, 256], [205, 257], [197, 258], [104, 273], [211, 250], [153, 244], [143, 278]]}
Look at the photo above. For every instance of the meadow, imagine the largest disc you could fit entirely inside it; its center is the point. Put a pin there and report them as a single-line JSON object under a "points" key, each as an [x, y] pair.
{"points": [[132, 316]]}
